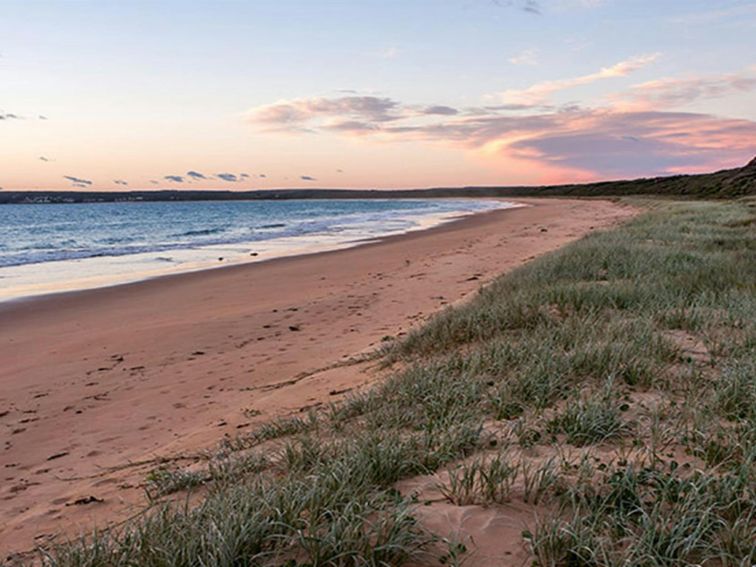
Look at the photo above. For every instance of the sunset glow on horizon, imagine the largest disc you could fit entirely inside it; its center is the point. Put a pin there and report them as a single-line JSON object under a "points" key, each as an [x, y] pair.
{"points": [[264, 94]]}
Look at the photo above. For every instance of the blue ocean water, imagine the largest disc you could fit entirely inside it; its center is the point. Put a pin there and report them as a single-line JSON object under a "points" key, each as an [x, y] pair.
{"points": [[34, 234]]}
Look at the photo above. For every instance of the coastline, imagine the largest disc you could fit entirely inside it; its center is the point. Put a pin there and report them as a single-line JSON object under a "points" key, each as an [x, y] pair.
{"points": [[165, 367], [99, 270], [440, 226]]}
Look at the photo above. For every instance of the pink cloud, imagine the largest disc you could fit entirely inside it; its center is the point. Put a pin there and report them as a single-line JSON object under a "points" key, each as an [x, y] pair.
{"points": [[623, 144], [570, 143], [296, 112], [539, 92], [676, 91]]}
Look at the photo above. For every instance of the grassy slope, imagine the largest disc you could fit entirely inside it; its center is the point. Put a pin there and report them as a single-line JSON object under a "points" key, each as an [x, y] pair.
{"points": [[725, 184], [587, 348]]}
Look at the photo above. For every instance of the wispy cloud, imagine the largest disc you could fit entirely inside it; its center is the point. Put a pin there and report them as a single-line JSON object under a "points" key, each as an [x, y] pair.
{"points": [[195, 175], [572, 4], [174, 178], [296, 112], [120, 182], [351, 114], [13, 116], [540, 92], [440, 110], [230, 177], [525, 57], [676, 91], [717, 14], [529, 6], [77, 180], [391, 52], [307, 178]]}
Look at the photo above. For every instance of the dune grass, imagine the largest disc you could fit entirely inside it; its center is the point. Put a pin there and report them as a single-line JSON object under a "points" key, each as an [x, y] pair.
{"points": [[640, 341]]}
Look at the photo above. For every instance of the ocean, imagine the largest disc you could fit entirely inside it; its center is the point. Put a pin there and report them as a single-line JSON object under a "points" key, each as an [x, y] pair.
{"points": [[51, 248]]}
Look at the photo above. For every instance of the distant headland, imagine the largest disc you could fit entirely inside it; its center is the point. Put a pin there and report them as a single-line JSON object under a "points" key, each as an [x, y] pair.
{"points": [[724, 184]]}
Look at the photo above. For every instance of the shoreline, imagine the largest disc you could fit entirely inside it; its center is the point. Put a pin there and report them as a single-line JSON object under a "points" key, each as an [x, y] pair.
{"points": [[164, 368], [176, 277], [96, 272]]}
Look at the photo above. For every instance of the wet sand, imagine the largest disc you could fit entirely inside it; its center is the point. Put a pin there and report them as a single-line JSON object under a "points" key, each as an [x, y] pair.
{"points": [[97, 387]]}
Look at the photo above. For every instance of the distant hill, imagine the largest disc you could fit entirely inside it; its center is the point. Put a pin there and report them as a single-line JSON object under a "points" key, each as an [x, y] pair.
{"points": [[725, 184]]}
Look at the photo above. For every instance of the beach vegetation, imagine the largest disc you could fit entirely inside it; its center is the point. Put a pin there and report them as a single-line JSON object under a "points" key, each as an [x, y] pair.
{"points": [[608, 388]]}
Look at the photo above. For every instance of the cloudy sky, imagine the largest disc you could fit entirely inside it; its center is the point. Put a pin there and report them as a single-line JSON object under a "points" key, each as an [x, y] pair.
{"points": [[113, 95]]}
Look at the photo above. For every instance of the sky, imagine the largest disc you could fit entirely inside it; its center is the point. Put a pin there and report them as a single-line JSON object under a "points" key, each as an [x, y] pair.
{"points": [[238, 95]]}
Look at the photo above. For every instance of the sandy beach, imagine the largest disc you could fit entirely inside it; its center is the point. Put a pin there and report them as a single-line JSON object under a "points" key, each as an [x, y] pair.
{"points": [[99, 387]]}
